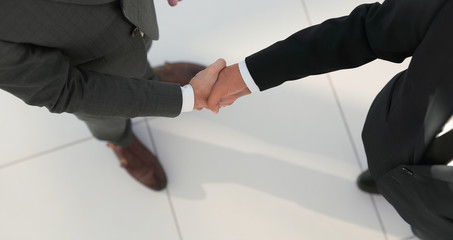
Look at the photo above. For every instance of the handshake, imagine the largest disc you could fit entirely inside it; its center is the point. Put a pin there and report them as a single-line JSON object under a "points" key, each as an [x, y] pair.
{"points": [[218, 86]]}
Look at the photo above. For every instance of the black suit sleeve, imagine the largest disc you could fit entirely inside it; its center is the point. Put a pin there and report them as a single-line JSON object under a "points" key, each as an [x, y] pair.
{"points": [[390, 31], [45, 77]]}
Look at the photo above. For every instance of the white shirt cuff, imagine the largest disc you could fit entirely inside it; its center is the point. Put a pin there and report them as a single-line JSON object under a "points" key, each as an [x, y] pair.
{"points": [[248, 80], [188, 98]]}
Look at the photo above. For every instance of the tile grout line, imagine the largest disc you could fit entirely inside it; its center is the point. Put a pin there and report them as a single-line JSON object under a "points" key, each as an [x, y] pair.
{"points": [[167, 190], [304, 6], [351, 140], [354, 148], [337, 100], [173, 212], [24, 159], [14, 162], [345, 123], [378, 214]]}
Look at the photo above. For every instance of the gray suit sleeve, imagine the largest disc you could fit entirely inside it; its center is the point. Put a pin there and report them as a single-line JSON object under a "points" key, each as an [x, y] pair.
{"points": [[45, 77]]}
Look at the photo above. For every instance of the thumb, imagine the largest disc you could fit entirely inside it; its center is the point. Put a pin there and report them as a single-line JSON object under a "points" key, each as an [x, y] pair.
{"points": [[217, 66]]}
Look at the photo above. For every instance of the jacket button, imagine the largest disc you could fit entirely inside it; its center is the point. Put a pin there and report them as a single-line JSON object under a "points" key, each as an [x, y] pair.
{"points": [[135, 31], [406, 170]]}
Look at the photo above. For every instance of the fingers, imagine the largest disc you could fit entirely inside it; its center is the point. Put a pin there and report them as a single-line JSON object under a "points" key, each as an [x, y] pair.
{"points": [[218, 86], [217, 66], [173, 2], [218, 91], [225, 101], [202, 82], [229, 87], [229, 82]]}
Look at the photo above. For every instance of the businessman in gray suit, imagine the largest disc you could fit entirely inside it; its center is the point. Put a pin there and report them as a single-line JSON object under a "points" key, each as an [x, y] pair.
{"points": [[89, 58]]}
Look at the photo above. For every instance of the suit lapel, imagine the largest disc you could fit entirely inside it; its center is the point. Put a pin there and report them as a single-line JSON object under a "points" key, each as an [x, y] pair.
{"points": [[143, 15]]}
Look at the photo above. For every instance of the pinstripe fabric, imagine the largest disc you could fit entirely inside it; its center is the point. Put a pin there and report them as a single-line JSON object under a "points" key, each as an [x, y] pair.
{"points": [[140, 12], [81, 58], [97, 38], [94, 37]]}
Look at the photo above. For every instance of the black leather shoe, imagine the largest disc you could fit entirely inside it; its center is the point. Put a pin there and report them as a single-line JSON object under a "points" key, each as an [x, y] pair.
{"points": [[366, 183]]}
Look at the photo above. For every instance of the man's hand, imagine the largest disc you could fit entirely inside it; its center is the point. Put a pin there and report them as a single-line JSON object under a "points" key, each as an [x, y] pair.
{"points": [[202, 83], [173, 2], [229, 87]]}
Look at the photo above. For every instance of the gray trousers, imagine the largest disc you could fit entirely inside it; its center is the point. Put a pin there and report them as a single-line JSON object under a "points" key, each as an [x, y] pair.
{"points": [[114, 129]]}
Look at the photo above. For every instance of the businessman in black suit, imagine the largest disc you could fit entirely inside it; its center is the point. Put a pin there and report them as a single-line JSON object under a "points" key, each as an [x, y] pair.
{"points": [[89, 58], [401, 133]]}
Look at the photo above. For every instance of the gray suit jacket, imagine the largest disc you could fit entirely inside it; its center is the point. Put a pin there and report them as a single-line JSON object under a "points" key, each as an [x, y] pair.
{"points": [[79, 56]]}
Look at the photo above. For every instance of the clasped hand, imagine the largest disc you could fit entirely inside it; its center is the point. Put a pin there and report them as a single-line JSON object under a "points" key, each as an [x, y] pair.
{"points": [[218, 86]]}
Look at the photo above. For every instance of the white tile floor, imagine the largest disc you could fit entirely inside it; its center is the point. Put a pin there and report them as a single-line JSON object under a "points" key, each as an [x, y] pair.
{"points": [[277, 165]]}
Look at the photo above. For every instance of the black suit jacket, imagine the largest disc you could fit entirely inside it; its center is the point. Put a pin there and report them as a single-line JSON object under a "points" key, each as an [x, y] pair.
{"points": [[407, 113]]}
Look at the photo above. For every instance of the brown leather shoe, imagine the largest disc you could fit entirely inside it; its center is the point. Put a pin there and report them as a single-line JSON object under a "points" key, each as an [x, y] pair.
{"points": [[141, 164], [179, 72]]}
